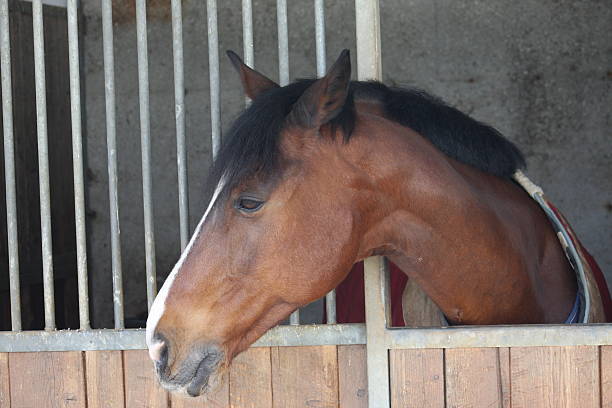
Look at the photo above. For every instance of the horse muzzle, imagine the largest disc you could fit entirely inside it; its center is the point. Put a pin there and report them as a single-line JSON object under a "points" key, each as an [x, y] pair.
{"points": [[192, 375]]}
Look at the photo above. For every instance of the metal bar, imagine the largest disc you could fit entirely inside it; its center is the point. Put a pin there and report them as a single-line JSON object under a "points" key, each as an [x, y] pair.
{"points": [[111, 148], [72, 340], [213, 70], [43, 164], [247, 37], [247, 33], [283, 74], [329, 334], [145, 144], [377, 311], [179, 112], [369, 66], [77, 162], [294, 318], [500, 336], [54, 3], [330, 307], [283, 42], [9, 166], [313, 335], [367, 20], [319, 9], [130, 339]]}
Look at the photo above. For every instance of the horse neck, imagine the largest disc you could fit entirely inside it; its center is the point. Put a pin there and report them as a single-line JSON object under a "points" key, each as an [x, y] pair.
{"points": [[476, 244]]}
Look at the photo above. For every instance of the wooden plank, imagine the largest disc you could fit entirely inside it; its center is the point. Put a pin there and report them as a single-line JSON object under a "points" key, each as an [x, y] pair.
{"points": [[5, 395], [251, 379], [417, 378], [141, 386], [606, 376], [218, 399], [305, 376], [473, 377], [555, 377], [352, 376], [104, 373], [55, 379]]}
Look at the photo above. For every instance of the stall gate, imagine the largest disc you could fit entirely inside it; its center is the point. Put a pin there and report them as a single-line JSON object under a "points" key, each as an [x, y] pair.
{"points": [[347, 365]]}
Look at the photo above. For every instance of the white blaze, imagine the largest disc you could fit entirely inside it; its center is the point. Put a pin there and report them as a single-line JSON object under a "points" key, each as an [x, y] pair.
{"points": [[159, 304]]}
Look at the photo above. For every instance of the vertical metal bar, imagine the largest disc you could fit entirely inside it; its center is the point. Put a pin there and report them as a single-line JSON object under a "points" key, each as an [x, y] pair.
{"points": [[77, 162], [320, 36], [283, 76], [247, 32], [377, 316], [294, 318], [145, 145], [369, 62], [319, 9], [111, 148], [369, 66], [9, 166], [43, 163], [179, 111], [283, 42], [247, 37], [213, 69]]}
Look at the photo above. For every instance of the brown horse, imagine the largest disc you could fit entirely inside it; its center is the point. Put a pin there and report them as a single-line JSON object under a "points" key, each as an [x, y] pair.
{"points": [[320, 174]]}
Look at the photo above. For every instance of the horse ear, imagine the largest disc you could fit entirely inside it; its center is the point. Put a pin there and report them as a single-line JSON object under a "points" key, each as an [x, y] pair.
{"points": [[324, 99], [253, 82]]}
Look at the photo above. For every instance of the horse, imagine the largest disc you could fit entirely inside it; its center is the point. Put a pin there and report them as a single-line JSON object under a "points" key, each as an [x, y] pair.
{"points": [[319, 174]]}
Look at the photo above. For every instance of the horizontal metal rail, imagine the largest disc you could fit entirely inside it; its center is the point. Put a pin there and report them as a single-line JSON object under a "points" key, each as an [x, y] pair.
{"points": [[500, 336], [54, 3], [332, 334], [134, 339]]}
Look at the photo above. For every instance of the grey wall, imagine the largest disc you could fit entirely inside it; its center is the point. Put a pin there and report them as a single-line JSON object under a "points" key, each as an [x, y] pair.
{"points": [[540, 71]]}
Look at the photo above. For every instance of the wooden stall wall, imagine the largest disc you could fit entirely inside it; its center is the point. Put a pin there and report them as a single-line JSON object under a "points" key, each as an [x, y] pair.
{"points": [[321, 376]]}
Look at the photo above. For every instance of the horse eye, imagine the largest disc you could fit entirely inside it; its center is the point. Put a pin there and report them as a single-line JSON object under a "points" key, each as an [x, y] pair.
{"points": [[248, 204]]}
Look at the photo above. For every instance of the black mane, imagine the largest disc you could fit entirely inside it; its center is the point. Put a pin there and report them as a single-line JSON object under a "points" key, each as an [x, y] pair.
{"points": [[251, 146]]}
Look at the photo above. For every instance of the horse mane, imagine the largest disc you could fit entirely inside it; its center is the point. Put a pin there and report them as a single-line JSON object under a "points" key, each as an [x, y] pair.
{"points": [[251, 146]]}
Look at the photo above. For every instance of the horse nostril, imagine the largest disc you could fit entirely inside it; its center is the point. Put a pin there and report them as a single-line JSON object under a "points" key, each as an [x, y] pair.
{"points": [[159, 354]]}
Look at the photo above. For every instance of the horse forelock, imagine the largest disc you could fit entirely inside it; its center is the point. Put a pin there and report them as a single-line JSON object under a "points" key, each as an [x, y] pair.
{"points": [[251, 146]]}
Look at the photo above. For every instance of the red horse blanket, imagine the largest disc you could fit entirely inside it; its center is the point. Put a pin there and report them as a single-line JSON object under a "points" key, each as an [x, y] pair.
{"points": [[350, 300]]}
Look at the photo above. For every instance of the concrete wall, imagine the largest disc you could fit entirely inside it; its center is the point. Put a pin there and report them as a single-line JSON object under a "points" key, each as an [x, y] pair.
{"points": [[540, 71]]}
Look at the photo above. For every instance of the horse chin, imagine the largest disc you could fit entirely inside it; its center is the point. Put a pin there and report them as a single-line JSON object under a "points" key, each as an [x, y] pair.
{"points": [[207, 388], [203, 389]]}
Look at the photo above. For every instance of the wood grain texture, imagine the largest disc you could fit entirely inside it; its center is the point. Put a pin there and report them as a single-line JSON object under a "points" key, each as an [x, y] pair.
{"points": [[417, 378], [219, 398], [251, 379], [49, 379], [352, 376], [141, 387], [104, 374], [606, 376], [473, 378], [305, 376], [552, 377], [5, 395]]}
